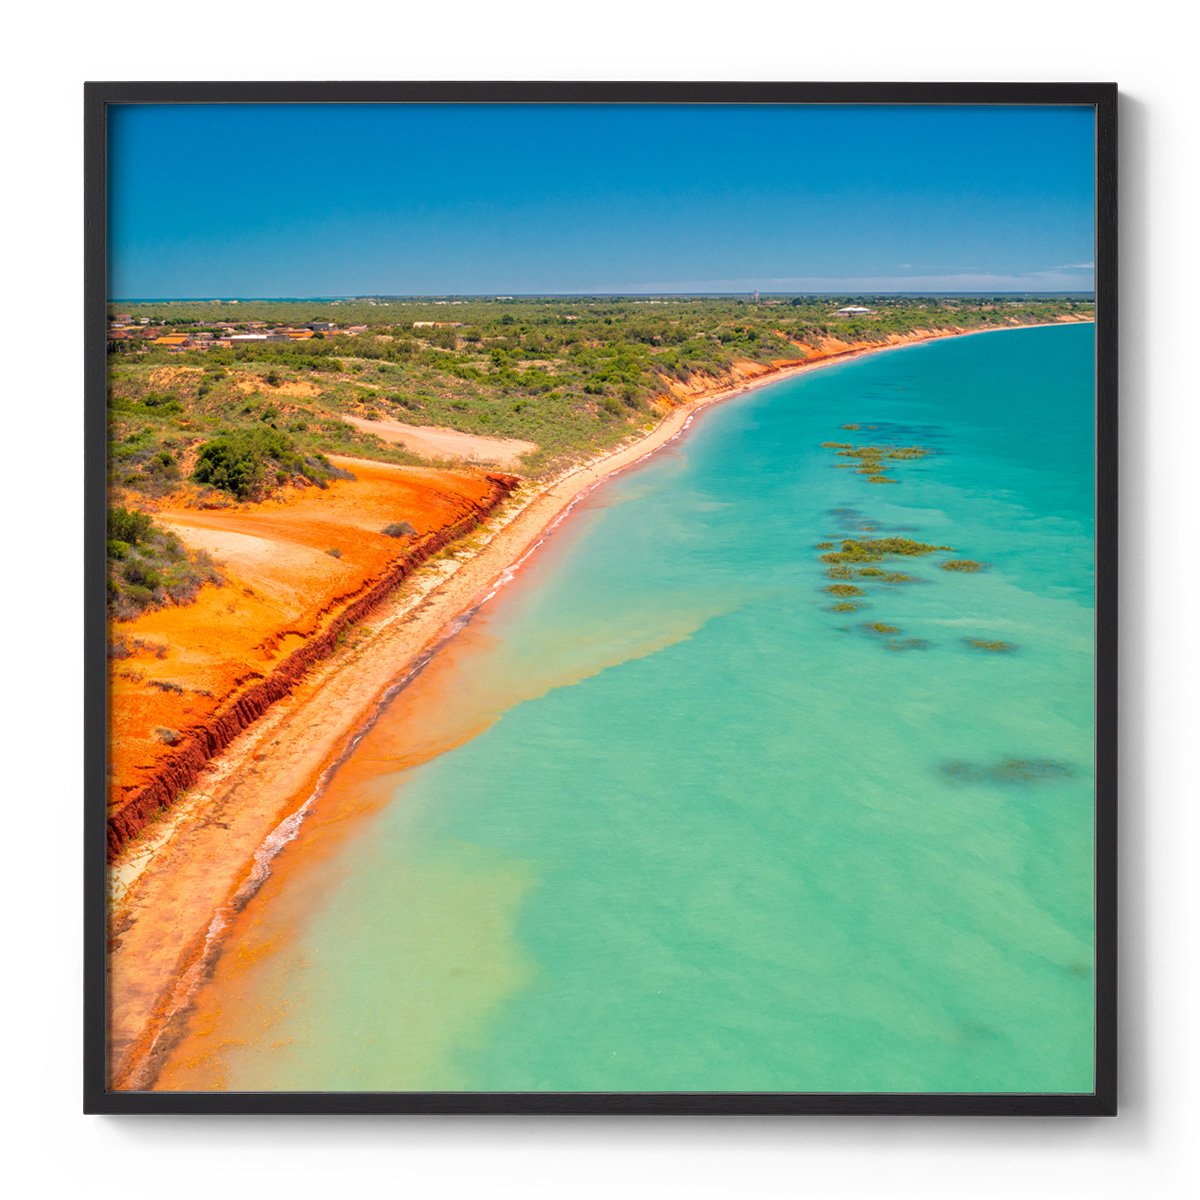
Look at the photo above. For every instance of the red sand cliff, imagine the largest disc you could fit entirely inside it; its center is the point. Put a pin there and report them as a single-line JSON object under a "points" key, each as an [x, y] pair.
{"points": [[201, 673]]}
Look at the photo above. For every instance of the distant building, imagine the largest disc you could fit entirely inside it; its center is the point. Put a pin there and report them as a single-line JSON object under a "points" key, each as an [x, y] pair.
{"points": [[171, 339], [247, 337], [853, 310], [321, 326]]}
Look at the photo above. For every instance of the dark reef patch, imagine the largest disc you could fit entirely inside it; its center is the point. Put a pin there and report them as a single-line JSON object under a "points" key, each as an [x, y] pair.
{"points": [[901, 645], [1008, 770], [872, 549], [988, 647]]}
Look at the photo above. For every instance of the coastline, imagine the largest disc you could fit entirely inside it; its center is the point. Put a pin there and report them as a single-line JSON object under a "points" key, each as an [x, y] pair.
{"points": [[172, 891]]}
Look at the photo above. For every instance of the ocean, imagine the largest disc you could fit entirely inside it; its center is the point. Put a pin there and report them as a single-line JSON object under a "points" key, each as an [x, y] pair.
{"points": [[662, 817]]}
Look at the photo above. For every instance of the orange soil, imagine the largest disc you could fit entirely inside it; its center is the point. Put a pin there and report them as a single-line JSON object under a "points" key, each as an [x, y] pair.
{"points": [[281, 588], [258, 383]]}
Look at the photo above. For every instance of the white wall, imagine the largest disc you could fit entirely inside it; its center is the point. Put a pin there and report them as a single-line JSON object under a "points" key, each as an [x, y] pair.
{"points": [[1145, 48]]}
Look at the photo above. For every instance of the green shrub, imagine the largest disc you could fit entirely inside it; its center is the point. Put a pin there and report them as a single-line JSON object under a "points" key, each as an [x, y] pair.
{"points": [[128, 527], [399, 529], [149, 567], [247, 463]]}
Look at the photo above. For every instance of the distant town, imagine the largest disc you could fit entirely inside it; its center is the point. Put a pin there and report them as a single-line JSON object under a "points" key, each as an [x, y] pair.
{"points": [[125, 328], [126, 331]]}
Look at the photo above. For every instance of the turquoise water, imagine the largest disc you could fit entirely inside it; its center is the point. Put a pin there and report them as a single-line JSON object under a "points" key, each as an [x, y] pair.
{"points": [[709, 834]]}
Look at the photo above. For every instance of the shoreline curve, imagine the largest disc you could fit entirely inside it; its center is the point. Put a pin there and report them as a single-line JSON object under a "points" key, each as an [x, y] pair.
{"points": [[172, 894]]}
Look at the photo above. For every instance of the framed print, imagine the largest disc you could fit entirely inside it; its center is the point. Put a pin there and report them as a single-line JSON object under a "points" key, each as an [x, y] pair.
{"points": [[601, 598]]}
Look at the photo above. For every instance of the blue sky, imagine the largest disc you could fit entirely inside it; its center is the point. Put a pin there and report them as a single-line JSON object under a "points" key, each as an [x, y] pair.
{"points": [[332, 200]]}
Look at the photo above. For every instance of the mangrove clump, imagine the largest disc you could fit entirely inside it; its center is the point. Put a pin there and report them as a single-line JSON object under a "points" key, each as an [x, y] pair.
{"points": [[991, 647], [881, 627], [844, 589], [966, 566]]}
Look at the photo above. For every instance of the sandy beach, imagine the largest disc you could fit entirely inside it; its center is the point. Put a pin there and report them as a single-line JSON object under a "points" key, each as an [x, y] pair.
{"points": [[173, 888]]}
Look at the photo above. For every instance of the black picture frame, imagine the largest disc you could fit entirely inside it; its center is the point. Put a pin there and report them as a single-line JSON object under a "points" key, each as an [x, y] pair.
{"points": [[97, 1098]]}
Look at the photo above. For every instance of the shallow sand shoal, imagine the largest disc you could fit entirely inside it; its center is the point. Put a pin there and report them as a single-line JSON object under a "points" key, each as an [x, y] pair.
{"points": [[168, 890]]}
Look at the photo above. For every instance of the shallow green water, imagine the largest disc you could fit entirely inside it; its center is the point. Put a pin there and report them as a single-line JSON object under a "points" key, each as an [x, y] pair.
{"points": [[729, 839]]}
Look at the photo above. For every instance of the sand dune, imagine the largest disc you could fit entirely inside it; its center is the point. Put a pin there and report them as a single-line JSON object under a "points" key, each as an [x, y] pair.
{"points": [[433, 441]]}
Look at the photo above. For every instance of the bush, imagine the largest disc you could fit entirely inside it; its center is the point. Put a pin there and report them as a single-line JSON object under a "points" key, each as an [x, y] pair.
{"points": [[247, 463], [399, 529], [149, 567], [128, 527]]}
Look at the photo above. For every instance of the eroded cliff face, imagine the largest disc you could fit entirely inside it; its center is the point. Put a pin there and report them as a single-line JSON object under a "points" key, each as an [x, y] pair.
{"points": [[150, 778], [704, 384]]}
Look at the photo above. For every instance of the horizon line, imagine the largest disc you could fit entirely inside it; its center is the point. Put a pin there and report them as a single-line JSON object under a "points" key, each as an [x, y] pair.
{"points": [[497, 297]]}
